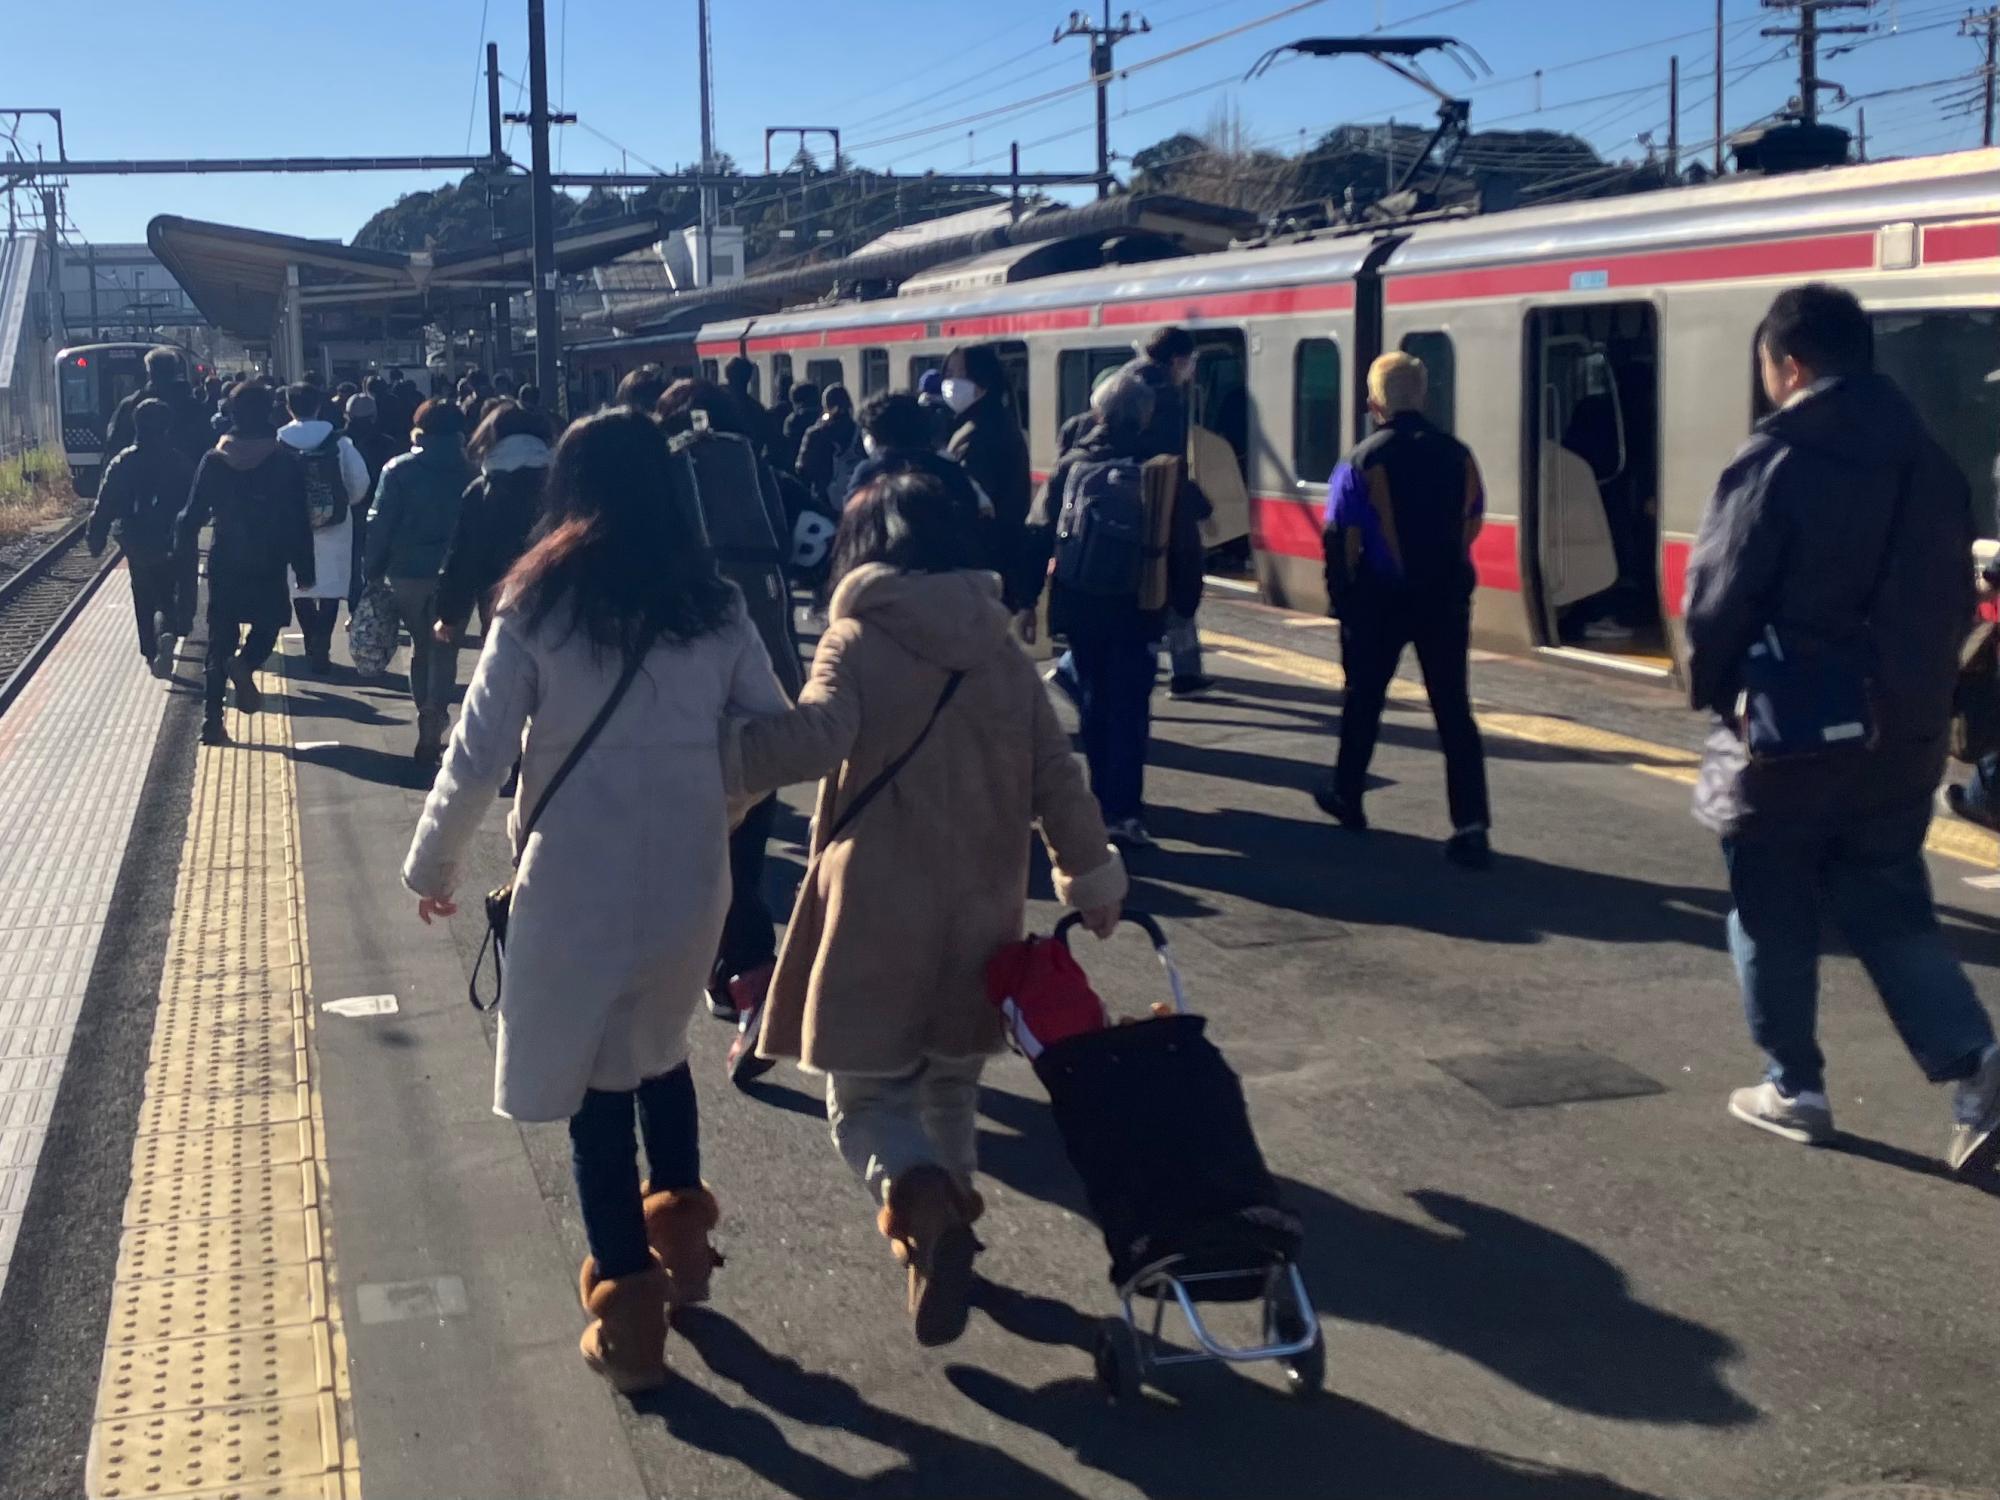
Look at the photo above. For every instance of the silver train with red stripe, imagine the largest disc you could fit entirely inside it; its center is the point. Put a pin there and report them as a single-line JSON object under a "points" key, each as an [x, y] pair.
{"points": [[1596, 356]]}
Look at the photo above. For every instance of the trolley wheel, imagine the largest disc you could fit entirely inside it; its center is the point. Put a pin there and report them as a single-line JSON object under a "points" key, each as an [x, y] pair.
{"points": [[1305, 1374], [1117, 1359]]}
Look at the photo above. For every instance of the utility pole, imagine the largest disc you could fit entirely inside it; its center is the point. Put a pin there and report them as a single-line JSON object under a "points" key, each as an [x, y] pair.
{"points": [[1807, 34], [1719, 126], [503, 311], [548, 315], [1989, 23], [1103, 39], [706, 195], [1861, 133], [1674, 118]]}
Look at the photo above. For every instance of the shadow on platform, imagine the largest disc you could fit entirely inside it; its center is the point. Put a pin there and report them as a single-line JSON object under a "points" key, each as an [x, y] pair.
{"points": [[1536, 1307]]}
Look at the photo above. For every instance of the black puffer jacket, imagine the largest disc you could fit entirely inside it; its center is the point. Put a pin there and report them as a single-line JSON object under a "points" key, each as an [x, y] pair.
{"points": [[253, 491], [142, 494], [989, 447], [1795, 537], [495, 517]]}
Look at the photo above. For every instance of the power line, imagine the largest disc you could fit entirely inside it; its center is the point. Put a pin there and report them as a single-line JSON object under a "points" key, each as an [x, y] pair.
{"points": [[478, 73]]}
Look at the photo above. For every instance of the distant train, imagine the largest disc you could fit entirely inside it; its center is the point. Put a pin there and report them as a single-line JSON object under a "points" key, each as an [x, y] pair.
{"points": [[91, 379], [1597, 356]]}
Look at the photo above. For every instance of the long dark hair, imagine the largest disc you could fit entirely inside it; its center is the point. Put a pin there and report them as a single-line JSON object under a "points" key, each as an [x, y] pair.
{"points": [[616, 550], [908, 521]]}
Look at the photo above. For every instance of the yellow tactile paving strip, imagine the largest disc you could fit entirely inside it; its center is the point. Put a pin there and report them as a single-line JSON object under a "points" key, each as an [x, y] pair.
{"points": [[1952, 838], [224, 1364]]}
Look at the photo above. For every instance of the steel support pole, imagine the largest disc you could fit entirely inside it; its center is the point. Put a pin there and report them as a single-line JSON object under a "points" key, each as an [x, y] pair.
{"points": [[548, 315]]}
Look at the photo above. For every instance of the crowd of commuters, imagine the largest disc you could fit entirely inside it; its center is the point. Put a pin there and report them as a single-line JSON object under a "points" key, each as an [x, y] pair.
{"points": [[639, 677]]}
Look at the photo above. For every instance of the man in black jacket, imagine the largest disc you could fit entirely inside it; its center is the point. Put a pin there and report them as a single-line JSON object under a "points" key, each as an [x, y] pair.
{"points": [[142, 494], [1842, 532], [253, 490], [1402, 511], [164, 382]]}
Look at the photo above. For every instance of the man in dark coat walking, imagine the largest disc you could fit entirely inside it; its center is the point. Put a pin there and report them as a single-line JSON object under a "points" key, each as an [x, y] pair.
{"points": [[165, 381], [1843, 533], [253, 491], [1402, 512], [142, 495]]}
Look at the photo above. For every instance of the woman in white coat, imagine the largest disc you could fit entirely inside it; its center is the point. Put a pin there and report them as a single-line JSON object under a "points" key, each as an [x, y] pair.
{"points": [[317, 604], [623, 883]]}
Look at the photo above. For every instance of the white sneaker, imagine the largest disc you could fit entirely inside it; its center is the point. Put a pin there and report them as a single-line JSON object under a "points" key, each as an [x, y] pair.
{"points": [[1806, 1117], [163, 653], [1975, 1110]]}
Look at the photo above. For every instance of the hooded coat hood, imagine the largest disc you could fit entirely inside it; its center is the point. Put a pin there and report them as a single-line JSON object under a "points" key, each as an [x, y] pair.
{"points": [[951, 620], [245, 453]]}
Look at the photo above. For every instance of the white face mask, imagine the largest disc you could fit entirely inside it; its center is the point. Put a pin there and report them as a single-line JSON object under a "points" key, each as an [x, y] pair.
{"points": [[959, 394]]}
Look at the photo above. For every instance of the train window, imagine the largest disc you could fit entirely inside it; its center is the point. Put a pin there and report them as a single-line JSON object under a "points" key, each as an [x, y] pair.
{"points": [[1942, 360], [824, 372], [1219, 397], [920, 364], [1441, 361], [710, 371], [1014, 361], [1077, 374], [1315, 410], [781, 372], [874, 372]]}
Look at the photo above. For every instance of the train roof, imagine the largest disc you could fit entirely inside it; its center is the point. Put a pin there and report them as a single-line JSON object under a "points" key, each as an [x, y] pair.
{"points": [[1929, 188], [1962, 185]]}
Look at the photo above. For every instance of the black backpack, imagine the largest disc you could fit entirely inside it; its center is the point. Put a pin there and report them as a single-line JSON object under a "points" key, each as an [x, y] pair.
{"points": [[326, 495], [1101, 532]]}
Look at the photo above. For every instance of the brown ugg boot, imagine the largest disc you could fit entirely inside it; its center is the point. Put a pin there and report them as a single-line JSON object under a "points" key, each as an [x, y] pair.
{"points": [[677, 1226], [925, 1222], [626, 1341]]}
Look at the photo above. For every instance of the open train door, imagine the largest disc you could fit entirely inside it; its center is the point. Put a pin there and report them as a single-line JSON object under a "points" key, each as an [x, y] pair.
{"points": [[1593, 521]]}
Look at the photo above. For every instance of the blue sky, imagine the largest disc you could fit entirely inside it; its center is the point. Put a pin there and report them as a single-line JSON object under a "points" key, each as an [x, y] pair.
{"points": [[895, 74]]}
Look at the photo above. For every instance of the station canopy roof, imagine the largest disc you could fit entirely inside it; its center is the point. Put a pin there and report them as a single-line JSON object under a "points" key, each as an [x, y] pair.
{"points": [[236, 276]]}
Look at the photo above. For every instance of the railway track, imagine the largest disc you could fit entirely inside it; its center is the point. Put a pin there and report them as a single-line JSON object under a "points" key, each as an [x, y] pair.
{"points": [[39, 601]]}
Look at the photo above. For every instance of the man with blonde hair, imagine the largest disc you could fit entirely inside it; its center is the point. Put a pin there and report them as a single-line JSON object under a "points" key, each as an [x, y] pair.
{"points": [[1402, 511]]}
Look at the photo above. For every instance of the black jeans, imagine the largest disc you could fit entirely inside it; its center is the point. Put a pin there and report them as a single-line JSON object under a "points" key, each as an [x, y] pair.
{"points": [[153, 590], [317, 618], [224, 658], [748, 938], [603, 1157], [1372, 638]]}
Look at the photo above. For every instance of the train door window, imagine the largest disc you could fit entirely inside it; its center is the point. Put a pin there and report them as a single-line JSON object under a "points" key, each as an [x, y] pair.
{"points": [[1014, 362], [1593, 512], [921, 364], [1219, 398], [825, 372], [1441, 363], [1944, 360], [781, 373], [874, 372], [1077, 374], [600, 387], [1316, 410], [710, 371]]}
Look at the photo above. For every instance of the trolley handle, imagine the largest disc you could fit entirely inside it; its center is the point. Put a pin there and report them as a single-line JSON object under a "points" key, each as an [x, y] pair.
{"points": [[1151, 928], [1139, 919]]}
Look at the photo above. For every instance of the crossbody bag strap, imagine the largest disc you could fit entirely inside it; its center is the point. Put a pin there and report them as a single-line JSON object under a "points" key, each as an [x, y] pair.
{"points": [[888, 773], [625, 679]]}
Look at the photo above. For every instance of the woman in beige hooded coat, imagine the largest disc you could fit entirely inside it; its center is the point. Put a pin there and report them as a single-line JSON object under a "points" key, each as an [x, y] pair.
{"points": [[917, 880]]}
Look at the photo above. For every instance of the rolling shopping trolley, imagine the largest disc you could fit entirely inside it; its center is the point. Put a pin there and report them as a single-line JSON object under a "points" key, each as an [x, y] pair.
{"points": [[1153, 1119]]}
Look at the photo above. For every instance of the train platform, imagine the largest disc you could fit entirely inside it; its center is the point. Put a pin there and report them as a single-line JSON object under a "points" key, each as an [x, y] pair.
{"points": [[268, 1238]]}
